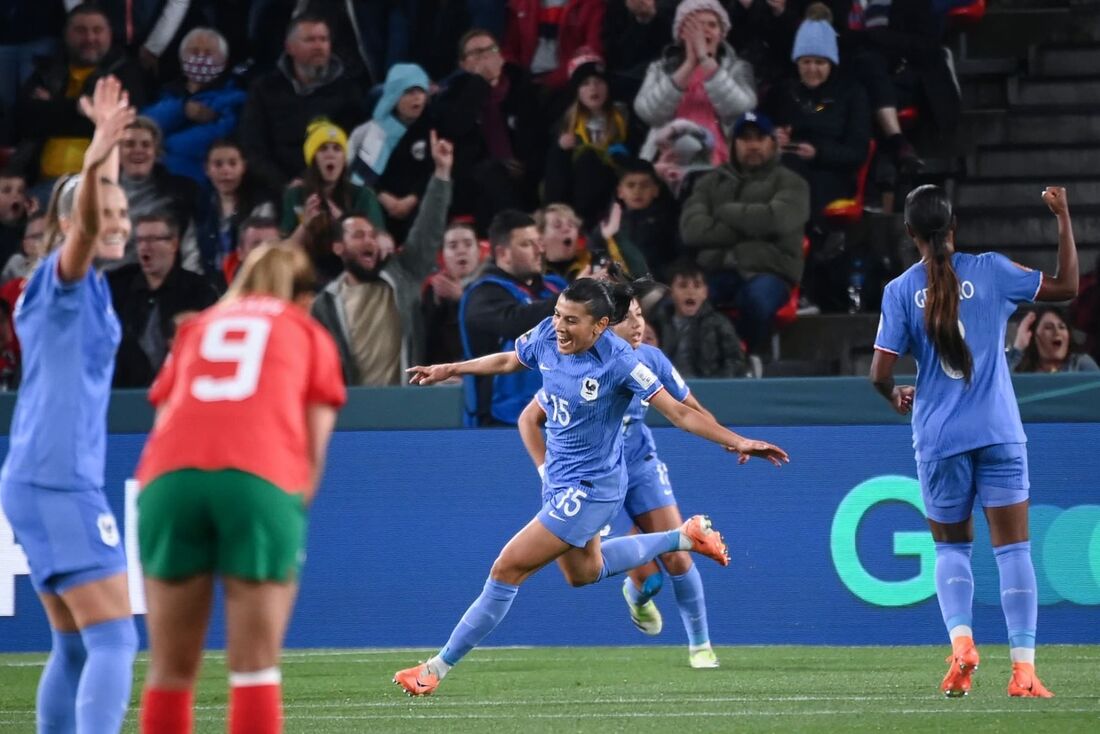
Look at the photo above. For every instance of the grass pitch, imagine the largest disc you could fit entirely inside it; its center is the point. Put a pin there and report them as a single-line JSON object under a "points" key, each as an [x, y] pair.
{"points": [[650, 689]]}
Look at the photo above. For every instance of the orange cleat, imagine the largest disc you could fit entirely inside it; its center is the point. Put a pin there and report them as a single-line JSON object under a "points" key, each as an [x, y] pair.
{"points": [[964, 661], [417, 681], [1025, 684], [705, 540]]}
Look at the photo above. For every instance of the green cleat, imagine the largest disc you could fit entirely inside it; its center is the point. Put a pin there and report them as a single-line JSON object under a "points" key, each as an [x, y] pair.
{"points": [[646, 617], [703, 658]]}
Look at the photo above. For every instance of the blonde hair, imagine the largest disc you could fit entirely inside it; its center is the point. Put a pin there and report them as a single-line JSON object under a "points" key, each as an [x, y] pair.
{"points": [[542, 215], [282, 270], [61, 204]]}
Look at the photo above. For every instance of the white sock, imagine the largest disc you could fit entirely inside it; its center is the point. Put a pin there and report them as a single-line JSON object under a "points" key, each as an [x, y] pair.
{"points": [[437, 666], [960, 631], [692, 649], [1022, 655]]}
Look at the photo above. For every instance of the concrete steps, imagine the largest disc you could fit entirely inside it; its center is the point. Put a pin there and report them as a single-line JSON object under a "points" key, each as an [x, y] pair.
{"points": [[1022, 162], [1054, 91], [1004, 127], [1023, 195]]}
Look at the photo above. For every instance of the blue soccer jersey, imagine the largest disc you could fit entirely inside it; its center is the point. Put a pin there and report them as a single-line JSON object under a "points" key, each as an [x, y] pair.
{"points": [[69, 334], [638, 439], [585, 397], [950, 417]]}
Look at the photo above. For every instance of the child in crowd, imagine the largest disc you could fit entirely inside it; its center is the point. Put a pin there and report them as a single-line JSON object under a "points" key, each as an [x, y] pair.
{"points": [[234, 196], [699, 341], [390, 151], [32, 248], [439, 299], [650, 218], [579, 168], [15, 206]]}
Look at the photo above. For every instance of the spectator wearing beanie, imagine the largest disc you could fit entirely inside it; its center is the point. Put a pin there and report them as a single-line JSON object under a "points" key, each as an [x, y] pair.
{"points": [[324, 196], [699, 77], [579, 167], [823, 120]]}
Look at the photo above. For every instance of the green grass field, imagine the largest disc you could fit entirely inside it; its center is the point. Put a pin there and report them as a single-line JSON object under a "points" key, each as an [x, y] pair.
{"points": [[624, 689]]}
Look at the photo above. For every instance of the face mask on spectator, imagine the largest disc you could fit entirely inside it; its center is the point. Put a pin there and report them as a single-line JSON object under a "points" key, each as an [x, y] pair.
{"points": [[202, 68]]}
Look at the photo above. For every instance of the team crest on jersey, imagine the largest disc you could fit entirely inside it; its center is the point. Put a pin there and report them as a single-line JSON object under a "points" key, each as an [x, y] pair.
{"points": [[590, 388], [108, 529]]}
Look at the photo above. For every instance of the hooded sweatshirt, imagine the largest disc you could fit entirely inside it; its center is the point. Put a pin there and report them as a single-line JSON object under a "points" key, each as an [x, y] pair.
{"points": [[373, 142]]}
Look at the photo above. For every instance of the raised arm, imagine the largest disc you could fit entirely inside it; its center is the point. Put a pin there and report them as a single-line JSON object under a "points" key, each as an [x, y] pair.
{"points": [[687, 419], [530, 425], [1062, 286], [491, 364], [113, 115]]}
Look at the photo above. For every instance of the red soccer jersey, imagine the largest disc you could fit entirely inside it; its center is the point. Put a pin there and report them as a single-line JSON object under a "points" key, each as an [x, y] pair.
{"points": [[234, 391]]}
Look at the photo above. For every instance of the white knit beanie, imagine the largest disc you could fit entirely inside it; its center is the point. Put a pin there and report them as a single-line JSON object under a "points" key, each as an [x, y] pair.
{"points": [[687, 7]]}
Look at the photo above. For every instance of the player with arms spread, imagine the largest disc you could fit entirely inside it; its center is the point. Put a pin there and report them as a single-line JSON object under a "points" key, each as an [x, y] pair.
{"points": [[589, 377], [950, 311], [246, 404], [650, 503]]}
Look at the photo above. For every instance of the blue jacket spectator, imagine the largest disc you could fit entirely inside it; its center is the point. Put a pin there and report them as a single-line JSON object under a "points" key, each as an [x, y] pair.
{"points": [[200, 108]]}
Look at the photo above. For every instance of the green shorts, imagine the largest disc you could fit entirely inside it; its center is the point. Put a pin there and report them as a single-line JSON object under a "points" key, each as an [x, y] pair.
{"points": [[227, 522]]}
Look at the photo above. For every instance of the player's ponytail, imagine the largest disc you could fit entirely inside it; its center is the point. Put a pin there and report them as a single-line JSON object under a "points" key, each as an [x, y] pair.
{"points": [[282, 270], [928, 216]]}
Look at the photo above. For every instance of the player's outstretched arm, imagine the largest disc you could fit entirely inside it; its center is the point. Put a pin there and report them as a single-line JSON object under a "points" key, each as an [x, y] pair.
{"points": [[692, 421], [691, 402], [491, 364], [882, 377], [113, 114], [1062, 286], [530, 432]]}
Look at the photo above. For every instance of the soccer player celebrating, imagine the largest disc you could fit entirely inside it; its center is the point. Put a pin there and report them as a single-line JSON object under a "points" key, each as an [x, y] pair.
{"points": [[51, 486], [650, 503], [245, 407], [950, 311], [589, 377]]}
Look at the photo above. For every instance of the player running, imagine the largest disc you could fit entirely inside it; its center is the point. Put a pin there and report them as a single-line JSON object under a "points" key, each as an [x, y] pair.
{"points": [[650, 503], [950, 311], [245, 407], [589, 377], [51, 486]]}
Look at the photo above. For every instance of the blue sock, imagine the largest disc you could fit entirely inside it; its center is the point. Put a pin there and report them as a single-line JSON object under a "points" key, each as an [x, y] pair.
{"points": [[57, 687], [955, 585], [479, 620], [650, 587], [623, 554], [104, 691], [1019, 598], [688, 588]]}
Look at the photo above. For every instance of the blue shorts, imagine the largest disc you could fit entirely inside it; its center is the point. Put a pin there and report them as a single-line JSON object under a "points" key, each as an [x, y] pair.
{"points": [[70, 538], [997, 475], [576, 513], [647, 486]]}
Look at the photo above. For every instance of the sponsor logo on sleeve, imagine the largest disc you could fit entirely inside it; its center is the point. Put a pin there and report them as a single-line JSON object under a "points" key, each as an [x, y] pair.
{"points": [[643, 376]]}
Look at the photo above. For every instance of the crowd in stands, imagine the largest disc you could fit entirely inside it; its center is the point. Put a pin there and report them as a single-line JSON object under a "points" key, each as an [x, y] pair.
{"points": [[450, 165]]}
